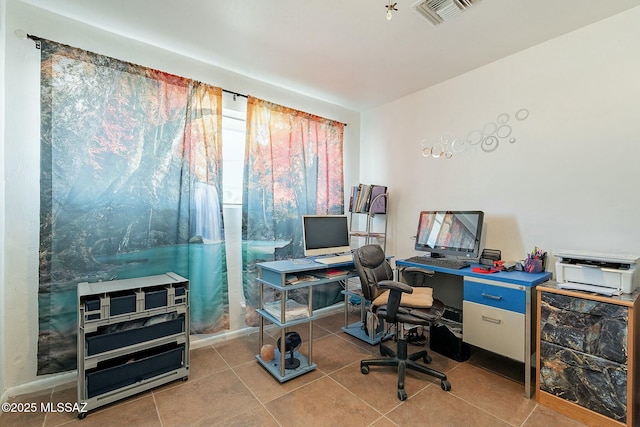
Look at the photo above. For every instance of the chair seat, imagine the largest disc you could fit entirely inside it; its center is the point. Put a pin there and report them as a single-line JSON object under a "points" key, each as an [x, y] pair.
{"points": [[416, 316], [420, 298]]}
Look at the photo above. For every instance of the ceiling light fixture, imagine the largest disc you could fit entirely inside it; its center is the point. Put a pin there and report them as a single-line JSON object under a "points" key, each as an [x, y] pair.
{"points": [[390, 7]]}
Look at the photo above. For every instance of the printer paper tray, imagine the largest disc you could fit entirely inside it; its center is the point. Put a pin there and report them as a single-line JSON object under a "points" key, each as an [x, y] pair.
{"points": [[589, 288]]}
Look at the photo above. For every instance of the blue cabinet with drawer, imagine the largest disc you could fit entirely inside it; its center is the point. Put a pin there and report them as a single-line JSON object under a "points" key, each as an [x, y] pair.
{"points": [[494, 317], [495, 295]]}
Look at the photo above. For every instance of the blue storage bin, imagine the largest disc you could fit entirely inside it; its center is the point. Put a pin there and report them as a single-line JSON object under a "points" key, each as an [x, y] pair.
{"points": [[92, 304], [155, 297], [131, 369], [101, 342], [122, 303]]}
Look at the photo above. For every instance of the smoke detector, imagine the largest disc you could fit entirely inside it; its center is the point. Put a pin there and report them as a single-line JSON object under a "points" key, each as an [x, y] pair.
{"points": [[438, 11]]}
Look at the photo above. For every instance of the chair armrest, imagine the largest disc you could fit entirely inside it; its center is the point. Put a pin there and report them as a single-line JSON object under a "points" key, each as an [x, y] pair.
{"points": [[396, 289], [397, 286], [419, 270], [417, 276]]}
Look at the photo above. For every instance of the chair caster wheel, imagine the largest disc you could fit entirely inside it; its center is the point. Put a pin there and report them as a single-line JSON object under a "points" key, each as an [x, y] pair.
{"points": [[427, 359], [364, 369], [402, 395], [445, 385]]}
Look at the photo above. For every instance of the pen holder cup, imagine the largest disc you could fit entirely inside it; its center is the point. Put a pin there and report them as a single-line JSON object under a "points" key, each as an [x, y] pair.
{"points": [[534, 265]]}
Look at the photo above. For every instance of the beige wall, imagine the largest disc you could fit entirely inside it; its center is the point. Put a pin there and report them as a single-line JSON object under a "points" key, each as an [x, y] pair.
{"points": [[571, 178]]}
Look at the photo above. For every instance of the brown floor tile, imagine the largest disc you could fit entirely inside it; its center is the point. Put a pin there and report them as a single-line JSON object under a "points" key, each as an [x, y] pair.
{"points": [[434, 407], [384, 422], [139, 411], [239, 350], [379, 388], [335, 322], [497, 395], [321, 403], [332, 352], [544, 417], [204, 401], [65, 394], [258, 416], [438, 362], [265, 387], [25, 410], [205, 361]]}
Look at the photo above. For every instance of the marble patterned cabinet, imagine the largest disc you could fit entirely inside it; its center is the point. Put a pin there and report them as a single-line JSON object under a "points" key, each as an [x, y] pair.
{"points": [[587, 355]]}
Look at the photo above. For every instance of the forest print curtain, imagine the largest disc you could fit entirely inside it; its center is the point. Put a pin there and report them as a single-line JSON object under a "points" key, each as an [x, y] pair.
{"points": [[130, 186], [293, 167]]}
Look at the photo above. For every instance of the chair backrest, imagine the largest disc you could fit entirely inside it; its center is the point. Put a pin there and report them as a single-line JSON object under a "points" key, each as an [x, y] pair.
{"points": [[372, 267]]}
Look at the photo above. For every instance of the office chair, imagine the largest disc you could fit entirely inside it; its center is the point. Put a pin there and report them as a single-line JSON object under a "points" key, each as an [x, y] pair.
{"points": [[401, 306]]}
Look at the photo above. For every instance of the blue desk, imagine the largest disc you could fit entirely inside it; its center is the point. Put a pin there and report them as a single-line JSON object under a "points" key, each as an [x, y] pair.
{"points": [[284, 312], [497, 309]]}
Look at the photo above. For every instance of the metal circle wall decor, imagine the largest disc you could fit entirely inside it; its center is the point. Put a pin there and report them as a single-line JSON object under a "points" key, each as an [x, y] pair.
{"points": [[458, 145], [522, 114], [502, 118], [490, 143], [489, 128], [503, 131], [488, 138]]}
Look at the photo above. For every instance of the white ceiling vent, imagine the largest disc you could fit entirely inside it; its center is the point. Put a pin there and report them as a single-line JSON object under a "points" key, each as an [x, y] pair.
{"points": [[437, 11]]}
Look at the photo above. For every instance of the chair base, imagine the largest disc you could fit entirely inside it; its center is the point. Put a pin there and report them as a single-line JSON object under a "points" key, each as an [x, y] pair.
{"points": [[404, 362]]}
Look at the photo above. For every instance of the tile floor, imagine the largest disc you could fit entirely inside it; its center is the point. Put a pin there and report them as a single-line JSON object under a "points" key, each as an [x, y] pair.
{"points": [[227, 387]]}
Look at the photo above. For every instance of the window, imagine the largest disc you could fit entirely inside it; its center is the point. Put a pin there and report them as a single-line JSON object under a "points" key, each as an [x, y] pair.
{"points": [[234, 133]]}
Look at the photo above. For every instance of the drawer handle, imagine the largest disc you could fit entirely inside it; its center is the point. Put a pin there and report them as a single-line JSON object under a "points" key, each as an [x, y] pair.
{"points": [[489, 296], [491, 319]]}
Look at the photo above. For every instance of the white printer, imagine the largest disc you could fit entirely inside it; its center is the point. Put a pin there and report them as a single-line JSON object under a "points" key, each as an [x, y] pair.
{"points": [[605, 273]]}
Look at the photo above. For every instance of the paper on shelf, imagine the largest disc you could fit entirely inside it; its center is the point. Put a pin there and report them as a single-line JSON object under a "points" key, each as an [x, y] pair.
{"points": [[293, 310], [294, 280]]}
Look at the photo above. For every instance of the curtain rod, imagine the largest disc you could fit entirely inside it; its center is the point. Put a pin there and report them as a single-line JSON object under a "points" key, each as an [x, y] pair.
{"points": [[235, 94], [23, 35]]}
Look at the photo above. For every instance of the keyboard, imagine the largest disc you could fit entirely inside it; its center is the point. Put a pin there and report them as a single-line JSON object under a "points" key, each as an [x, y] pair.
{"points": [[331, 260], [454, 264]]}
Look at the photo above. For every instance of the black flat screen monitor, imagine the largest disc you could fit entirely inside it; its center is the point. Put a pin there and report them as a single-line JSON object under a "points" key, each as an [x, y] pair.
{"points": [[450, 233], [325, 234]]}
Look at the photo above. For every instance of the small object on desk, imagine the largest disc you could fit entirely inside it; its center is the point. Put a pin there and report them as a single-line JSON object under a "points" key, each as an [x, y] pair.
{"points": [[484, 270], [490, 256], [536, 261], [505, 265]]}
